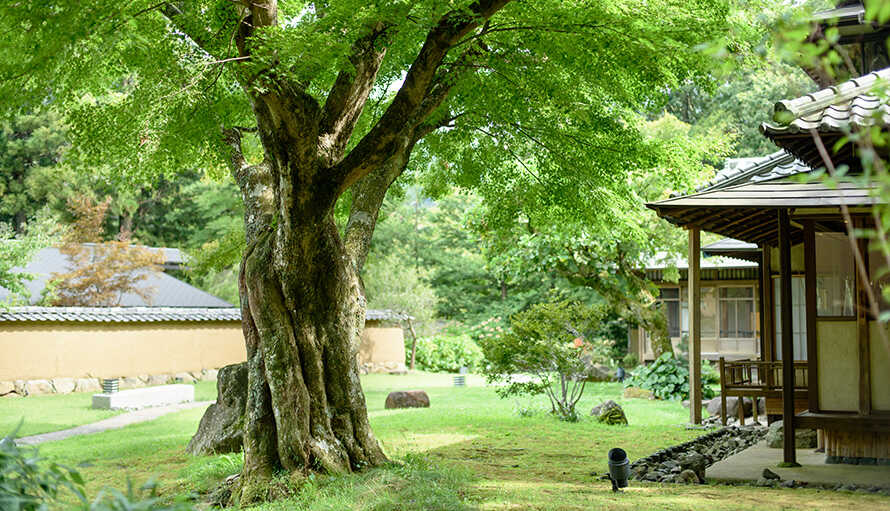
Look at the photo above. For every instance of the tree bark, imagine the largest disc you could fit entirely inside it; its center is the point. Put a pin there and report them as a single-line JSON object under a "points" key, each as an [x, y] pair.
{"points": [[302, 304]]}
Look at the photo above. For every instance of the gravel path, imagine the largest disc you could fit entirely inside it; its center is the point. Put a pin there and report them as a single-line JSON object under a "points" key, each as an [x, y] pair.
{"points": [[115, 422]]}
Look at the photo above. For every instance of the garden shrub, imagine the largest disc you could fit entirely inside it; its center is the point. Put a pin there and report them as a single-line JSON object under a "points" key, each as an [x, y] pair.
{"points": [[668, 378], [553, 343], [446, 352]]}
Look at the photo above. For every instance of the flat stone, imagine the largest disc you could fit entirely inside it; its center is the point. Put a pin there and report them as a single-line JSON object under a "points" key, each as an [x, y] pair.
{"points": [[158, 379], [87, 385], [131, 383], [64, 385], [184, 378], [136, 399], [33, 387], [638, 393], [407, 399], [769, 474]]}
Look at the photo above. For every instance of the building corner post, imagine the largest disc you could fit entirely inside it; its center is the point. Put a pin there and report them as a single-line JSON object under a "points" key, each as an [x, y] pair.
{"points": [[695, 395]]}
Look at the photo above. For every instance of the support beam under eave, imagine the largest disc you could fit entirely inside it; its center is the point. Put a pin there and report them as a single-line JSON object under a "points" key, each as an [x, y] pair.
{"points": [[790, 456], [694, 325]]}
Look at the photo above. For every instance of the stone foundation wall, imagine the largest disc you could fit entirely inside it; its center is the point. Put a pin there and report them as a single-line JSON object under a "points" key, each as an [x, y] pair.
{"points": [[383, 367], [22, 388]]}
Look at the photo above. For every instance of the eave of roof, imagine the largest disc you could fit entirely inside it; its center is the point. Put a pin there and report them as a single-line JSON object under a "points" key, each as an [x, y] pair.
{"points": [[836, 109], [778, 164], [147, 314]]}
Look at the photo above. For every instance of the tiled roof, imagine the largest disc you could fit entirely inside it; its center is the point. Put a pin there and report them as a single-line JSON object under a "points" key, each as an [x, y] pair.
{"points": [[833, 109], [165, 290], [385, 315], [147, 314], [778, 164], [119, 314]]}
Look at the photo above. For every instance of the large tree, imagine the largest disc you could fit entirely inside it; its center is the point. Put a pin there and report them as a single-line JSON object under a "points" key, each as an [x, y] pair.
{"points": [[309, 100]]}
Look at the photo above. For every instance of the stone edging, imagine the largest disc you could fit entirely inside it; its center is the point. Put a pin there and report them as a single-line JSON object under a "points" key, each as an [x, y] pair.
{"points": [[22, 388], [670, 465]]}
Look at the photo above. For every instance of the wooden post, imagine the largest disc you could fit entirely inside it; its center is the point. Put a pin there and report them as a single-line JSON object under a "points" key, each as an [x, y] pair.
{"points": [[769, 329], [809, 256], [790, 456], [723, 379], [694, 325], [862, 327]]}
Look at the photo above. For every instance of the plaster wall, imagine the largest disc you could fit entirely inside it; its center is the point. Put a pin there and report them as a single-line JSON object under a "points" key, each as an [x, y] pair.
{"points": [[381, 344], [838, 358], [54, 350], [880, 369]]}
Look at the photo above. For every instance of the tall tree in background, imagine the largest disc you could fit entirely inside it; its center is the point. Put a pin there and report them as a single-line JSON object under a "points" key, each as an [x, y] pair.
{"points": [[315, 99], [18, 249], [30, 145], [102, 271]]}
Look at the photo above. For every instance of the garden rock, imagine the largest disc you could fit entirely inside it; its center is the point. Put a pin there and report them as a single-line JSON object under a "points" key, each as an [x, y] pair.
{"points": [[610, 413], [158, 379], [87, 385], [769, 474], [131, 383], [38, 387], [407, 399], [597, 372], [6, 387], [732, 406], [804, 438], [696, 463], [221, 427], [638, 393], [688, 477], [64, 385]]}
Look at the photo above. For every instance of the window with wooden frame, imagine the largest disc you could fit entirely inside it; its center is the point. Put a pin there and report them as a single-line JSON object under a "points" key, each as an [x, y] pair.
{"points": [[737, 312]]}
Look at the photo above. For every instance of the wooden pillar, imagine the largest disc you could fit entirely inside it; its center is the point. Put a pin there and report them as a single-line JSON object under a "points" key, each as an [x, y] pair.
{"points": [[694, 325], [769, 329], [809, 256], [761, 307], [862, 327], [723, 380], [790, 456]]}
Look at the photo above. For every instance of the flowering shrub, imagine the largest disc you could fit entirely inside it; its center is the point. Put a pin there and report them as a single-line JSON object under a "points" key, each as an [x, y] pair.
{"points": [[446, 352]]}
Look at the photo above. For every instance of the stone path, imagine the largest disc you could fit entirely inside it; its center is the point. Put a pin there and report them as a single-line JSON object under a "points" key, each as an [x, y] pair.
{"points": [[115, 422]]}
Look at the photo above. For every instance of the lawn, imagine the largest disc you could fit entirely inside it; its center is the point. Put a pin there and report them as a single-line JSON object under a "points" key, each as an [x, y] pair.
{"points": [[469, 450], [54, 412]]}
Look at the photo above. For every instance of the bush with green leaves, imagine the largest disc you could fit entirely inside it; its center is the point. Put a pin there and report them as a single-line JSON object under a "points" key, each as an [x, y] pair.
{"points": [[447, 351], [29, 483], [552, 343], [668, 378]]}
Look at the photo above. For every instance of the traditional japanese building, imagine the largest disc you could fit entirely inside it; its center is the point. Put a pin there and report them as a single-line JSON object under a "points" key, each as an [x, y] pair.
{"points": [[824, 352]]}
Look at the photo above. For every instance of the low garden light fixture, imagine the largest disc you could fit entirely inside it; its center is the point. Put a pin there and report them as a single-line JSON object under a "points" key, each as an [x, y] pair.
{"points": [[619, 468], [110, 385]]}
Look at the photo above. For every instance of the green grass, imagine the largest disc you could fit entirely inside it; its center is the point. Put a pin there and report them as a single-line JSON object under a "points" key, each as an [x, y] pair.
{"points": [[54, 412], [469, 450]]}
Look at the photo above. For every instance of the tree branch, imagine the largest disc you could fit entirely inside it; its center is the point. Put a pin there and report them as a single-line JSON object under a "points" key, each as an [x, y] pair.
{"points": [[384, 138], [348, 95]]}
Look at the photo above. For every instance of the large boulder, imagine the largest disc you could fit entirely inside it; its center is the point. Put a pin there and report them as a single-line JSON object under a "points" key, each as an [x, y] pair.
{"points": [[609, 412], [222, 428], [64, 385], [407, 399], [804, 438], [597, 372], [88, 385], [732, 406]]}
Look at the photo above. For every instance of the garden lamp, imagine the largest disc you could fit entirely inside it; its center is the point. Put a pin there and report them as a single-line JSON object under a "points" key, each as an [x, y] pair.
{"points": [[619, 468]]}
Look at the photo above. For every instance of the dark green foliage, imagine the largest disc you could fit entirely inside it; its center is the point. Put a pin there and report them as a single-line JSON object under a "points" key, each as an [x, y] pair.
{"points": [[553, 343], [668, 378], [447, 351], [30, 483]]}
